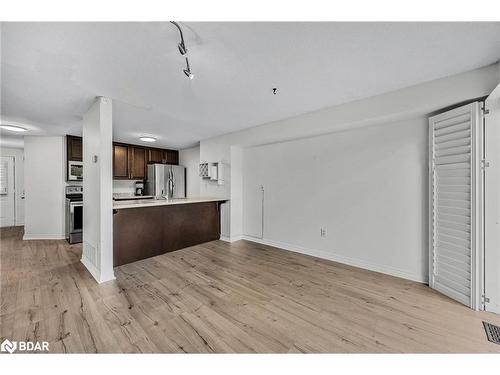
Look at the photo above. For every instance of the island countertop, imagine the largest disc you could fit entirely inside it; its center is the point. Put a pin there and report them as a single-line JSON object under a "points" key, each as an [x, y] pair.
{"points": [[136, 203]]}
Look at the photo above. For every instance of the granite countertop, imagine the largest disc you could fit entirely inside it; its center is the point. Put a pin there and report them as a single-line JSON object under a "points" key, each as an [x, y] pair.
{"points": [[136, 203]]}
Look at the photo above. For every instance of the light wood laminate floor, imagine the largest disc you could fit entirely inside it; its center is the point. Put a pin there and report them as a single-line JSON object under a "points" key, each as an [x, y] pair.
{"points": [[220, 297]]}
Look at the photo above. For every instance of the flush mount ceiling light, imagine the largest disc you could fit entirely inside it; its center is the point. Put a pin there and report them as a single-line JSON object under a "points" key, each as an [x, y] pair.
{"points": [[147, 139], [13, 128], [183, 51]]}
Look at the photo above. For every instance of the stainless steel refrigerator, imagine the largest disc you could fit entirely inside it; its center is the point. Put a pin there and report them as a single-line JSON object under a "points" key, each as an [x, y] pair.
{"points": [[166, 181]]}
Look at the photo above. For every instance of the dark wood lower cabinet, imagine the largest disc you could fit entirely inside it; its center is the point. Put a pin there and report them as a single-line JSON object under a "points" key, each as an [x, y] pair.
{"points": [[144, 232]]}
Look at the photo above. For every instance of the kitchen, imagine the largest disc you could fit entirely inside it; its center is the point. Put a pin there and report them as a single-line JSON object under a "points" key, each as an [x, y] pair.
{"points": [[151, 213]]}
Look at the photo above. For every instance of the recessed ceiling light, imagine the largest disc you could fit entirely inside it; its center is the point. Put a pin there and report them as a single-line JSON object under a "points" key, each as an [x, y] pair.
{"points": [[13, 128], [148, 139]]}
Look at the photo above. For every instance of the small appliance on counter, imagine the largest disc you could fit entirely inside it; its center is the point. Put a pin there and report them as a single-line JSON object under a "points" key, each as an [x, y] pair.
{"points": [[139, 188], [74, 213]]}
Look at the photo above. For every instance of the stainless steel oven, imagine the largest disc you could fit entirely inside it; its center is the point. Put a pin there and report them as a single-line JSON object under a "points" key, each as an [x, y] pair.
{"points": [[75, 170], [74, 214]]}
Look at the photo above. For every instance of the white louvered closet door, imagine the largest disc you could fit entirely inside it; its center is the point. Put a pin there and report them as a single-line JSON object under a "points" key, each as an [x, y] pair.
{"points": [[455, 198]]}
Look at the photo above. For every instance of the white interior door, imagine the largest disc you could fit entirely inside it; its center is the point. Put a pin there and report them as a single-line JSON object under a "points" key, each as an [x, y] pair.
{"points": [[492, 203], [455, 203], [7, 188]]}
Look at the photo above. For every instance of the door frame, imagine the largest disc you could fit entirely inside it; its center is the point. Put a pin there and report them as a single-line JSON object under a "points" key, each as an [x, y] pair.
{"points": [[491, 216], [14, 190]]}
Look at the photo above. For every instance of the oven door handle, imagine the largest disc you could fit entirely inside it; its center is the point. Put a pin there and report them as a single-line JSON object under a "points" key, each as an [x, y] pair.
{"points": [[71, 217]]}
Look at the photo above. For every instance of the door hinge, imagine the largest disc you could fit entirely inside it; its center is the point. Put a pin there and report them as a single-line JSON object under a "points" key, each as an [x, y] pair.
{"points": [[485, 299], [484, 109], [484, 164]]}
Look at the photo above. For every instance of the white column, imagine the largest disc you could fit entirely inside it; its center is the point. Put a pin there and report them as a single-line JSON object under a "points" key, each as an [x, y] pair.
{"points": [[236, 227], [97, 253]]}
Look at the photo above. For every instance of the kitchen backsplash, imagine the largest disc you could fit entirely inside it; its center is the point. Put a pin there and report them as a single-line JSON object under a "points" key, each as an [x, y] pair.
{"points": [[123, 187]]}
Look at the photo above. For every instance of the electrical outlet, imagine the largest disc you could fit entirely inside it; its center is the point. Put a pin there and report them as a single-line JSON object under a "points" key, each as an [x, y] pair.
{"points": [[322, 232]]}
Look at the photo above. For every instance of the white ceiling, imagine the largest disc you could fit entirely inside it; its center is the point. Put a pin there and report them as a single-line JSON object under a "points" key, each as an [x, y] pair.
{"points": [[52, 71]]}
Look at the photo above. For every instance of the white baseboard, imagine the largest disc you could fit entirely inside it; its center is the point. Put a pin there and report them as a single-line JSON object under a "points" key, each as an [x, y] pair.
{"points": [[96, 274], [493, 307], [33, 236], [91, 268], [340, 259], [231, 239]]}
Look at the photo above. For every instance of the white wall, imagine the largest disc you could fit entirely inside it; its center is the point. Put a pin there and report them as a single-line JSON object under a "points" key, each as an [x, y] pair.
{"points": [[190, 158], [97, 253], [44, 216], [367, 187], [398, 106], [18, 155]]}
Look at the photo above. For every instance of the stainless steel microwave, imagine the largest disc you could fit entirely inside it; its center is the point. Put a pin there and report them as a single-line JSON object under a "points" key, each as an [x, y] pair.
{"points": [[75, 170]]}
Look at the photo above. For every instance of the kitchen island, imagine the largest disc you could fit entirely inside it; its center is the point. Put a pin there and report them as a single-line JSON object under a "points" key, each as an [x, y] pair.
{"points": [[143, 228]]}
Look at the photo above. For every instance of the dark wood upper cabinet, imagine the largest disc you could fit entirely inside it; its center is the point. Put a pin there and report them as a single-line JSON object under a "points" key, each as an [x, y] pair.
{"points": [[120, 161], [172, 156], [74, 148], [137, 162], [130, 161], [156, 155]]}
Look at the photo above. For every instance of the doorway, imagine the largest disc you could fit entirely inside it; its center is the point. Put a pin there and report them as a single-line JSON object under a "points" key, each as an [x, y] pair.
{"points": [[7, 192]]}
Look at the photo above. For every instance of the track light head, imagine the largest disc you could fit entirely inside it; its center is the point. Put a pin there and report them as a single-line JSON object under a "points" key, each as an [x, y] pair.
{"points": [[182, 49], [188, 73]]}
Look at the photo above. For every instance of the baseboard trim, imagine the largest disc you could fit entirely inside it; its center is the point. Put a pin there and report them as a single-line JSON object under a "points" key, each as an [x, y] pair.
{"points": [[91, 268], [31, 236], [230, 239], [340, 259], [493, 308], [96, 274]]}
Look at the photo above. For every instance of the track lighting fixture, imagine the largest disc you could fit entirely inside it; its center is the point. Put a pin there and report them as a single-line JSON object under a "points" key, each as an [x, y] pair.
{"points": [[183, 51]]}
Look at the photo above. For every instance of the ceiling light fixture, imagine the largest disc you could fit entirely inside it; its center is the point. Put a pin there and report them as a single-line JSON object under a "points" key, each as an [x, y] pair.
{"points": [[183, 51], [147, 139], [13, 128]]}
